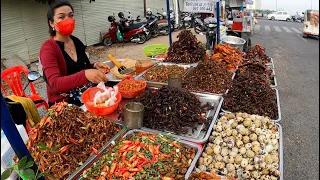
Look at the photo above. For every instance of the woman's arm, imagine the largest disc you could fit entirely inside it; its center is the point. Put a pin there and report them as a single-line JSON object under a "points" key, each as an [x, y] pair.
{"points": [[57, 82]]}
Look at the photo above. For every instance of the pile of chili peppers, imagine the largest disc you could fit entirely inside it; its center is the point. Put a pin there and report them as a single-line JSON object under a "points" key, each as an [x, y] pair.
{"points": [[161, 73], [65, 139], [131, 85], [251, 93], [209, 76], [186, 50], [143, 155], [173, 110], [227, 55], [257, 54]]}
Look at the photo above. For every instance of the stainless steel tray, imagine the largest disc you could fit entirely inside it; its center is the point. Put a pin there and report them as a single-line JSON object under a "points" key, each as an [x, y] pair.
{"points": [[274, 79], [111, 65], [280, 152], [202, 133], [278, 104], [159, 84], [209, 93], [271, 64], [190, 144], [78, 172]]}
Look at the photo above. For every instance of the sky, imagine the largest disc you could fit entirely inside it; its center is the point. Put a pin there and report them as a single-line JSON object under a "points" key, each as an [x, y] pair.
{"points": [[291, 6]]}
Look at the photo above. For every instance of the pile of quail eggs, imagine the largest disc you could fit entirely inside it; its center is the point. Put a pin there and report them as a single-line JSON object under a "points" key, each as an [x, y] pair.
{"points": [[243, 146]]}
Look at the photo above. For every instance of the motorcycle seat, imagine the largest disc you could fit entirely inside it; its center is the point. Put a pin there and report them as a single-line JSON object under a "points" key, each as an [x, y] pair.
{"points": [[133, 26]]}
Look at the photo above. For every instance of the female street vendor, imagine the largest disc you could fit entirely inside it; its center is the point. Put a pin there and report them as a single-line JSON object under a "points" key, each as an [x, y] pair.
{"points": [[66, 67]]}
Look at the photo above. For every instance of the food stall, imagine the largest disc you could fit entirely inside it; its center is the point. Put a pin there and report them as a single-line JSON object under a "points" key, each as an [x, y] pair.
{"points": [[240, 23], [185, 115]]}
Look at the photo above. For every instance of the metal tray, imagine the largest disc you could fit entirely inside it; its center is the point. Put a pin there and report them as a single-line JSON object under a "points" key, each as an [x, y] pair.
{"points": [[111, 65], [278, 104], [159, 84], [271, 64], [275, 79], [89, 161], [280, 152], [209, 93], [202, 133], [190, 144]]}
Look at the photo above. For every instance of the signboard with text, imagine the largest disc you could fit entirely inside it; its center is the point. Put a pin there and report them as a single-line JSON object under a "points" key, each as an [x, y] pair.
{"points": [[200, 6]]}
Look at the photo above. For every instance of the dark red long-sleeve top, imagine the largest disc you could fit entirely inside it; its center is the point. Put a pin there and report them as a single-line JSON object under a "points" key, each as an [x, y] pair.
{"points": [[55, 70]]}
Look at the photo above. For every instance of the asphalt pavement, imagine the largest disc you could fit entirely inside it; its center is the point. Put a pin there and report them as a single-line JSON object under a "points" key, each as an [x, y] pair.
{"points": [[296, 62]]}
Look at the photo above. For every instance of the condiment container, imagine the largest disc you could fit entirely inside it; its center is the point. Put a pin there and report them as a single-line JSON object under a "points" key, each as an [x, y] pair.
{"points": [[133, 115], [142, 65], [175, 80]]}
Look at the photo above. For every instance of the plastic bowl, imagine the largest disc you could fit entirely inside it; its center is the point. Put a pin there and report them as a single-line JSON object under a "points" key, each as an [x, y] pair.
{"points": [[131, 94], [88, 96], [155, 49]]}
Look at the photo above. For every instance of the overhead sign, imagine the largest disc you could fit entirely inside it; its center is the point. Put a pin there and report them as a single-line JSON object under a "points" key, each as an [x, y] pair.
{"points": [[201, 6]]}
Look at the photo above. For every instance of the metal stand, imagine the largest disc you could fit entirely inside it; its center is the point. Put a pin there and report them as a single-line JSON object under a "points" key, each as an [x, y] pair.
{"points": [[218, 22], [169, 22]]}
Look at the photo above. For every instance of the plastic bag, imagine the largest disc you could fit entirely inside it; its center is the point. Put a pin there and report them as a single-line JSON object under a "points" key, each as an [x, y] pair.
{"points": [[119, 35], [105, 98]]}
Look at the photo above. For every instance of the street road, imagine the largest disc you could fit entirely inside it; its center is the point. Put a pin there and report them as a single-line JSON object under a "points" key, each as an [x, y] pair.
{"points": [[296, 62]]}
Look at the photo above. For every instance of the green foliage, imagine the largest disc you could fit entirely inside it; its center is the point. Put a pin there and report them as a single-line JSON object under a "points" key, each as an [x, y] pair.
{"points": [[23, 168]]}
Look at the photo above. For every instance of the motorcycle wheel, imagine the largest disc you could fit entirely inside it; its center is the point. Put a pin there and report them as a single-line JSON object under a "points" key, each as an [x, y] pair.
{"points": [[155, 33], [166, 30], [197, 29], [107, 42], [187, 25], [143, 38]]}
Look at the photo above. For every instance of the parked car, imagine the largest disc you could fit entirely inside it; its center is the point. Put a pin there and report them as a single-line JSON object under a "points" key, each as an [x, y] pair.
{"points": [[280, 15]]}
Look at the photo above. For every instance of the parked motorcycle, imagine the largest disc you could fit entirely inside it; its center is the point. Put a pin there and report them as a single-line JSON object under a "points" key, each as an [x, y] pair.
{"points": [[163, 23], [199, 26], [136, 33], [186, 20]]}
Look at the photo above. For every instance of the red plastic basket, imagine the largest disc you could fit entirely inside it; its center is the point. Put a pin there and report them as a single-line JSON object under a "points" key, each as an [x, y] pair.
{"points": [[131, 94], [88, 96]]}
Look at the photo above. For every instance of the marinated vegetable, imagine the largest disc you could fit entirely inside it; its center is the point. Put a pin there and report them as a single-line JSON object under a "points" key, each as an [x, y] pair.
{"points": [[172, 110], [66, 138], [186, 50], [143, 156], [243, 146], [208, 76], [161, 73]]}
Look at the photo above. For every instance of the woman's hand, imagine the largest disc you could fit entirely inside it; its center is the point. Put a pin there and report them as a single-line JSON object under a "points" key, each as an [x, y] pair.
{"points": [[102, 67], [95, 76]]}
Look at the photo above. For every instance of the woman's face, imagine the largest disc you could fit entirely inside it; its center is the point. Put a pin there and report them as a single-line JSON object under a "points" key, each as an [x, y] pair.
{"points": [[60, 14]]}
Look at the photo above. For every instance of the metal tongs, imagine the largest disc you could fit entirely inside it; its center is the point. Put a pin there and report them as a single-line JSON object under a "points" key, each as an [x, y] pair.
{"points": [[121, 68]]}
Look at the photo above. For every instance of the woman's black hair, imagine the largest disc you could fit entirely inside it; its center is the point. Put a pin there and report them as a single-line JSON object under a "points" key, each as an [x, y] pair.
{"points": [[52, 6]]}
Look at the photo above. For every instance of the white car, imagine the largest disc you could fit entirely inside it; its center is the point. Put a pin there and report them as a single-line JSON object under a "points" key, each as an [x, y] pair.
{"points": [[280, 15]]}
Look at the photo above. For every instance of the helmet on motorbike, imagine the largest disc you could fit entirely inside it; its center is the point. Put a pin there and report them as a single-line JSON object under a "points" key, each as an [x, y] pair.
{"points": [[149, 12], [111, 19], [120, 15], [164, 14]]}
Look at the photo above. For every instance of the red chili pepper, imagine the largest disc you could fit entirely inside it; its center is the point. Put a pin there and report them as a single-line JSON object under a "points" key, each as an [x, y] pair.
{"points": [[137, 141], [134, 164], [51, 144], [95, 151], [124, 156], [134, 170], [113, 167], [174, 144], [64, 149], [73, 140], [126, 142], [123, 170]]}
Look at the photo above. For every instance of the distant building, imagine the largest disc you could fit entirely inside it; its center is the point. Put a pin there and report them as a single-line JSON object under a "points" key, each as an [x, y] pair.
{"points": [[256, 5]]}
